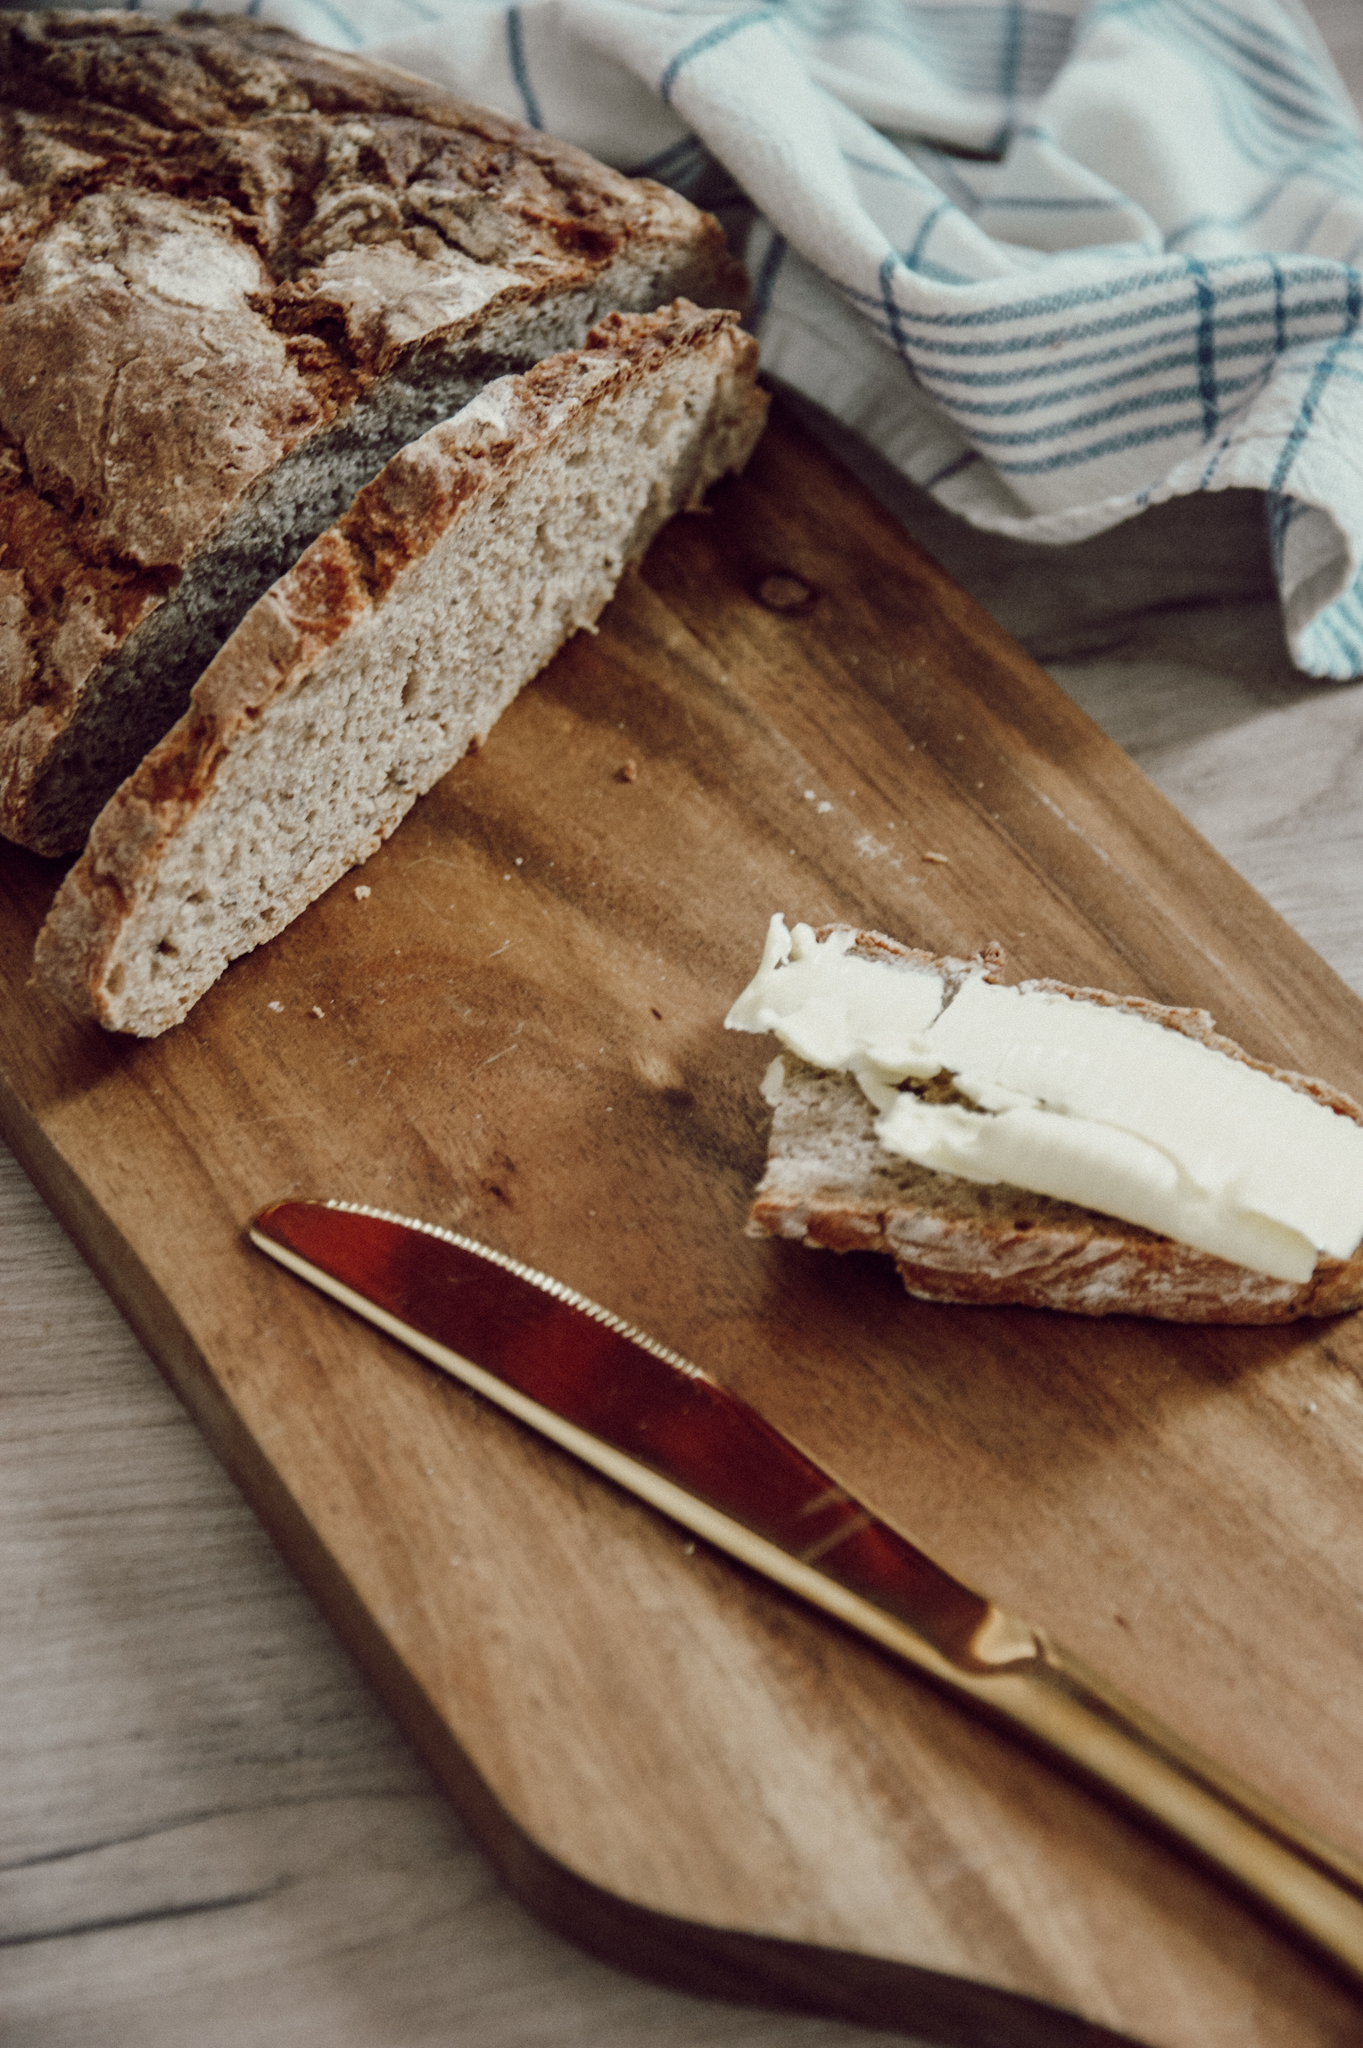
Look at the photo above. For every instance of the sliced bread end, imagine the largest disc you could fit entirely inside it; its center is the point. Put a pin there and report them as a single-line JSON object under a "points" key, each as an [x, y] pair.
{"points": [[395, 642]]}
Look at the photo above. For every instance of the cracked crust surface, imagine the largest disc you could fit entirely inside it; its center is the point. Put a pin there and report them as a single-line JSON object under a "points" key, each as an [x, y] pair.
{"points": [[828, 1183], [391, 646], [221, 248]]}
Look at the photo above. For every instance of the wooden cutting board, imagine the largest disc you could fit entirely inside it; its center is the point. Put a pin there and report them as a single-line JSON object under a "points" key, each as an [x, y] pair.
{"points": [[518, 1031]]}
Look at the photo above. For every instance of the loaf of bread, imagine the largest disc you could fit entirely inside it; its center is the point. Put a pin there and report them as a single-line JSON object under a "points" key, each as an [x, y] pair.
{"points": [[391, 646], [829, 1182], [237, 274]]}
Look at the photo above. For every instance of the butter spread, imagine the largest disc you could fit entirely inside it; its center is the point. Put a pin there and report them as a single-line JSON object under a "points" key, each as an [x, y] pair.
{"points": [[1074, 1099]]}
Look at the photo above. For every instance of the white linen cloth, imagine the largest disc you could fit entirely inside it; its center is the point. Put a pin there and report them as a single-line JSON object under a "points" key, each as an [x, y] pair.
{"points": [[1056, 261]]}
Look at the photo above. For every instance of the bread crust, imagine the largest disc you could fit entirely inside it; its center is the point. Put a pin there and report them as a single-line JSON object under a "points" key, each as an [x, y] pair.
{"points": [[350, 572], [216, 240], [829, 1183]]}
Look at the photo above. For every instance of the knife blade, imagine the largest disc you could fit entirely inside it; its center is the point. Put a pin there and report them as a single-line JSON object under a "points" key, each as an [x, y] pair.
{"points": [[657, 1425]]}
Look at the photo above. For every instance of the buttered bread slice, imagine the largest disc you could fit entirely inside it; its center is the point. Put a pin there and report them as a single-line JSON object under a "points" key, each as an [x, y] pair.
{"points": [[1046, 1146], [390, 648]]}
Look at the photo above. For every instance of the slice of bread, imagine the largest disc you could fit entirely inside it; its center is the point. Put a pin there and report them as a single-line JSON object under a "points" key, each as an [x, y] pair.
{"points": [[828, 1182], [237, 274], [389, 648]]}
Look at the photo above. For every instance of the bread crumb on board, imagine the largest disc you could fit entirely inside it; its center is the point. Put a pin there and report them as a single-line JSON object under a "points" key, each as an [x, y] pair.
{"points": [[362, 890]]}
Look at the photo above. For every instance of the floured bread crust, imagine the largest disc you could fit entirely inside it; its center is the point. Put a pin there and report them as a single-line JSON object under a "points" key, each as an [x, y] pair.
{"points": [[829, 1183], [391, 646], [236, 274]]}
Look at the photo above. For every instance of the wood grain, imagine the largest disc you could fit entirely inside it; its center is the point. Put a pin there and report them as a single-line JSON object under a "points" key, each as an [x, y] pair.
{"points": [[520, 1033]]}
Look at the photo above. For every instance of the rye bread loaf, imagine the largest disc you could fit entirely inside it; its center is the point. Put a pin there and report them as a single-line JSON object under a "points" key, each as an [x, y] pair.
{"points": [[237, 273], [388, 649], [830, 1183]]}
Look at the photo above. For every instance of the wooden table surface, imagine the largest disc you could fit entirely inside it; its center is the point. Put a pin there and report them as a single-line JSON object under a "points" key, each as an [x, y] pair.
{"points": [[211, 1831]]}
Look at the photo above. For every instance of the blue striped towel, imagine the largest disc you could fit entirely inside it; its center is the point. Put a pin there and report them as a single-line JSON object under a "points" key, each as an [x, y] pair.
{"points": [[1057, 261]]}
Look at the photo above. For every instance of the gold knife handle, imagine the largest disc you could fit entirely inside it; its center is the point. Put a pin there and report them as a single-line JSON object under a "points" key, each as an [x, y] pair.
{"points": [[1310, 1881], [1017, 1676], [1054, 1700]]}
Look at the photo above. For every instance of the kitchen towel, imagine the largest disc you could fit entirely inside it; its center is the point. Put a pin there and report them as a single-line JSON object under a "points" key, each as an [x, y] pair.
{"points": [[1057, 262]]}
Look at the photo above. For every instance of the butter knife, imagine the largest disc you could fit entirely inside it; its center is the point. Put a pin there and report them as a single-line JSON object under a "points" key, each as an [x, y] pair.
{"points": [[654, 1423]]}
